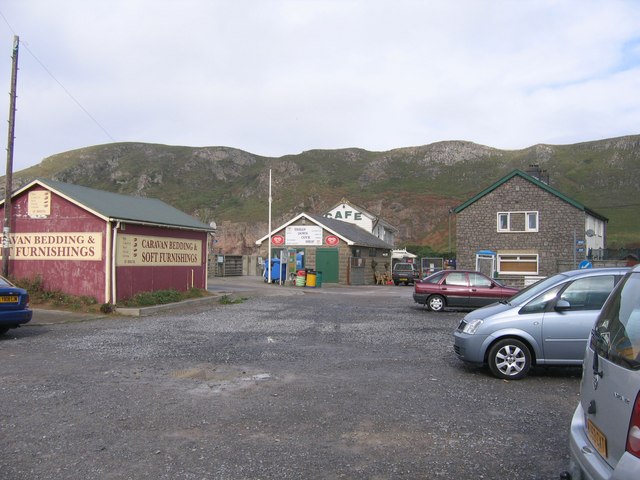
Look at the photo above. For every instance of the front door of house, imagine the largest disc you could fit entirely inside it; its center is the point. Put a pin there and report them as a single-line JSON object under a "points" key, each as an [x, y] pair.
{"points": [[327, 263]]}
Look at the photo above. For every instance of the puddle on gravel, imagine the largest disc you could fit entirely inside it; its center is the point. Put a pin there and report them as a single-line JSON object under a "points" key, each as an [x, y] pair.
{"points": [[211, 379]]}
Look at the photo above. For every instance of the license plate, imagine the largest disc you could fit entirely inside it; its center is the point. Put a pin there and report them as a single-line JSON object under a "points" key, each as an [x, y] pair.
{"points": [[403, 279], [598, 439], [9, 299]]}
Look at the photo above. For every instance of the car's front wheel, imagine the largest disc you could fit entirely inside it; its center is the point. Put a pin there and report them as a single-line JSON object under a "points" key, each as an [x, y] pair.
{"points": [[509, 359], [436, 303]]}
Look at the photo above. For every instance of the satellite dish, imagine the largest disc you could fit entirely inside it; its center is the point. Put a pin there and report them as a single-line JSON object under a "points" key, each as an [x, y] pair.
{"points": [[213, 225], [590, 233]]}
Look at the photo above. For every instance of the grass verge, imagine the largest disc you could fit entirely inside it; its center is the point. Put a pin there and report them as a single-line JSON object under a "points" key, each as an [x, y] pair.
{"points": [[56, 300]]}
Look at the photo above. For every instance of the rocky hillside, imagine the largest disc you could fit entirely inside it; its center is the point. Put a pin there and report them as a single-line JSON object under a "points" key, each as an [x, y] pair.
{"points": [[412, 188]]}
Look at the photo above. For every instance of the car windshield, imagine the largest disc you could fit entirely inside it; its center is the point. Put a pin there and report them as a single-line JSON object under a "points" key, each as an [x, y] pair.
{"points": [[5, 283], [533, 290], [616, 335]]}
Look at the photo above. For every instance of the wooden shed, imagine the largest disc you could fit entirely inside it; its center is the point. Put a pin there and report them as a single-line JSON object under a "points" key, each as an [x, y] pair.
{"points": [[84, 241]]}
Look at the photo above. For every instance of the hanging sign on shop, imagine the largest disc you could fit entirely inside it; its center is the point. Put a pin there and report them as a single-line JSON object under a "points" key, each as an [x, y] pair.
{"points": [[304, 235], [39, 205]]}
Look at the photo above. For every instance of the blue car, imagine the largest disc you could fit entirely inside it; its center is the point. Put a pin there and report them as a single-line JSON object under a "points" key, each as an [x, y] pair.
{"points": [[14, 306]]}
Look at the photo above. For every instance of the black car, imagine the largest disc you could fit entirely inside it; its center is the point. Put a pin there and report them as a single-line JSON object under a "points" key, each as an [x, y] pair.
{"points": [[404, 273]]}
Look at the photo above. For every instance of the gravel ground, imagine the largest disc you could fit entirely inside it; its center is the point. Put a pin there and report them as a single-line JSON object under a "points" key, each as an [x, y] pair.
{"points": [[329, 383]]}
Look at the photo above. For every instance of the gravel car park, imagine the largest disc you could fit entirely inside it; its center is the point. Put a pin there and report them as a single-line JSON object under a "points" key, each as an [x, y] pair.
{"points": [[324, 383]]}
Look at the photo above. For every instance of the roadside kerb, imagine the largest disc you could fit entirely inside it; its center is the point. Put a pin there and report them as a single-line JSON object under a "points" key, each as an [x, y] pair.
{"points": [[147, 311]]}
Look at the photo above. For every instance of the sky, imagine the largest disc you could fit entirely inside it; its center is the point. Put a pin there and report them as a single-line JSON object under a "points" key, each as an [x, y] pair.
{"points": [[279, 77]]}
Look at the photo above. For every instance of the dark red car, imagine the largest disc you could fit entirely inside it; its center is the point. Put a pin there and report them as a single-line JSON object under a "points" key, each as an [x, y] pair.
{"points": [[459, 289]]}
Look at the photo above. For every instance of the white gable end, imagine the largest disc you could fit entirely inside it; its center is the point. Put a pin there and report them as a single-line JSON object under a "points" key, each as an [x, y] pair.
{"points": [[347, 213]]}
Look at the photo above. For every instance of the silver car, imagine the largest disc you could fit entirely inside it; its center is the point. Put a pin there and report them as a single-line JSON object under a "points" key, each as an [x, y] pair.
{"points": [[605, 430], [547, 323]]}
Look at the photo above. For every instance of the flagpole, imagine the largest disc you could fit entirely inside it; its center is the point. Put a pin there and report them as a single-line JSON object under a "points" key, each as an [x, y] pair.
{"points": [[269, 254]]}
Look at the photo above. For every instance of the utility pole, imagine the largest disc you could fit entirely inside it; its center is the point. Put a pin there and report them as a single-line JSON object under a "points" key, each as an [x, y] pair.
{"points": [[6, 231]]}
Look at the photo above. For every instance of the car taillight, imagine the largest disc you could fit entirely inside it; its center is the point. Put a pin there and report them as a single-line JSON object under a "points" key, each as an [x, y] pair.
{"points": [[633, 438]]}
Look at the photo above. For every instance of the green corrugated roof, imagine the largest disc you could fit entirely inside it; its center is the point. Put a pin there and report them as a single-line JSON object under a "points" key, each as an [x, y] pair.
{"points": [[124, 207], [536, 182]]}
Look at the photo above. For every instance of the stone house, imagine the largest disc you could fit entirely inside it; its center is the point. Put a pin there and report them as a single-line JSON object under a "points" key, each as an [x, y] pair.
{"points": [[520, 228]]}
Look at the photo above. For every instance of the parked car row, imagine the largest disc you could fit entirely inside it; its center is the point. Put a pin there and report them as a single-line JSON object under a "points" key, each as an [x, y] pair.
{"points": [[585, 317]]}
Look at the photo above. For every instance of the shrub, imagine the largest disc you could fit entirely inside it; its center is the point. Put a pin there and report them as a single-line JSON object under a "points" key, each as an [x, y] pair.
{"points": [[38, 295]]}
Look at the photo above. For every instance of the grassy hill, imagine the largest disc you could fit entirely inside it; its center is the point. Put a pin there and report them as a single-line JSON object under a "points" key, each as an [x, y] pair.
{"points": [[412, 188]]}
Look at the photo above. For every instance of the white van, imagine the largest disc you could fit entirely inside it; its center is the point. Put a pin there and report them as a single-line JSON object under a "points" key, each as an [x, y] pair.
{"points": [[605, 430]]}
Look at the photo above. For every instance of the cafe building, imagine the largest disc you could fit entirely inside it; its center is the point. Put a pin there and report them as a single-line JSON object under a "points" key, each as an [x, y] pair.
{"points": [[342, 252]]}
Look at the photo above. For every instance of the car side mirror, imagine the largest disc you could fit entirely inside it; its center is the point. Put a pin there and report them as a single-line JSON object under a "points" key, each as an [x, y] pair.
{"points": [[562, 306], [493, 285]]}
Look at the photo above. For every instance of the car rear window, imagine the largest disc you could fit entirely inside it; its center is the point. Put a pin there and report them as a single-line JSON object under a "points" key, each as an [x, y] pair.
{"points": [[617, 331], [435, 278]]}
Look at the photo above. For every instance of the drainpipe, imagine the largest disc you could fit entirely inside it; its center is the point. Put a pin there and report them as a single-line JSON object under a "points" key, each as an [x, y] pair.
{"points": [[113, 263], [107, 263]]}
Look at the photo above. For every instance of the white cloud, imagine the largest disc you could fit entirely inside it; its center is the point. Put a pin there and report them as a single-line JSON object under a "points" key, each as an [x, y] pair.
{"points": [[276, 77]]}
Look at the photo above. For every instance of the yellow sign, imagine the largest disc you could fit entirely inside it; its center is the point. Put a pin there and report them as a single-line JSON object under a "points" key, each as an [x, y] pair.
{"points": [[145, 251], [39, 205], [55, 246]]}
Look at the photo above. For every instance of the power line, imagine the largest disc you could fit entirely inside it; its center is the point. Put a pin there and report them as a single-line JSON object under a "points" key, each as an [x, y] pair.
{"points": [[75, 100]]}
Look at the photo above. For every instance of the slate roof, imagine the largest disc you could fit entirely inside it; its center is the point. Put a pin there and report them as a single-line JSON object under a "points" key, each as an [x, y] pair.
{"points": [[349, 232], [118, 207], [536, 182], [359, 236]]}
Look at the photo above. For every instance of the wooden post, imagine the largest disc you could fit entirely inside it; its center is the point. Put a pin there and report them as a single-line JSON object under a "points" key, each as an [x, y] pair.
{"points": [[6, 231]]}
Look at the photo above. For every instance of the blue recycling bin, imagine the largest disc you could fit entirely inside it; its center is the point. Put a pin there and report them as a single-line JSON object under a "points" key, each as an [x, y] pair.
{"points": [[278, 271]]}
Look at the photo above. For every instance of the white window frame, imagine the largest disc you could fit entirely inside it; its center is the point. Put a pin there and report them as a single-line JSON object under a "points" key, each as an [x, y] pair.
{"points": [[529, 258], [527, 215], [508, 217]]}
